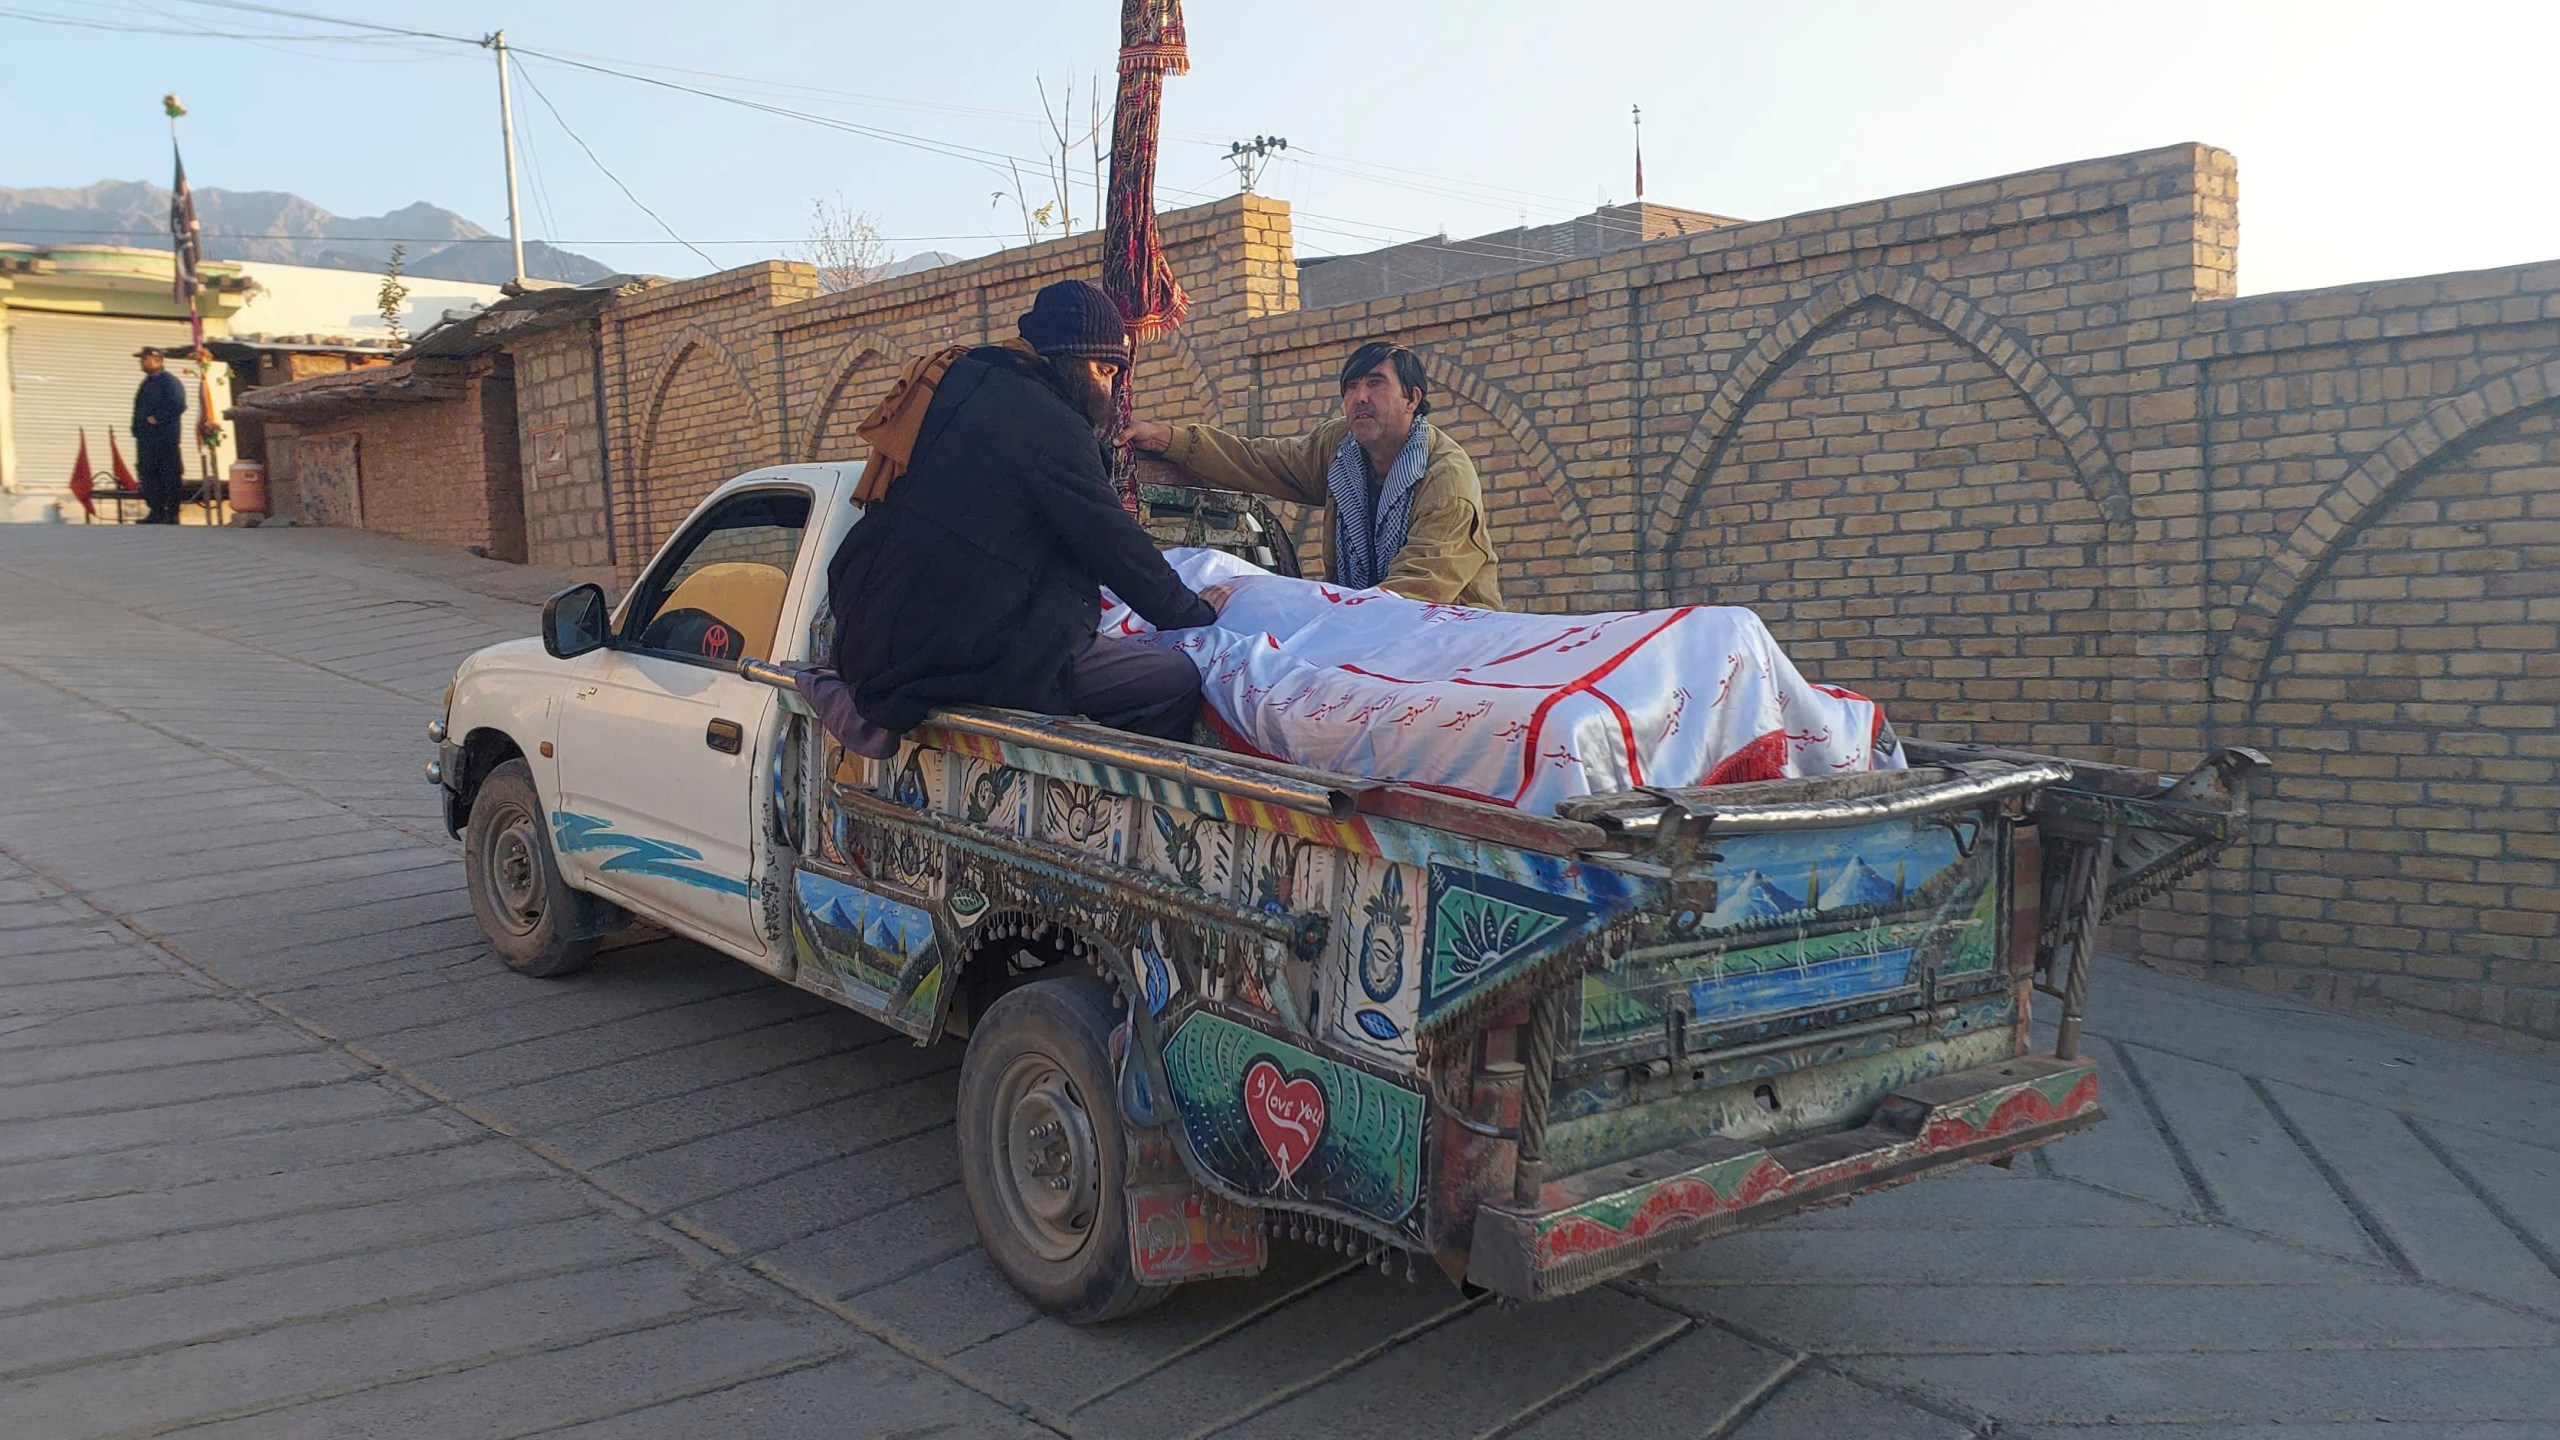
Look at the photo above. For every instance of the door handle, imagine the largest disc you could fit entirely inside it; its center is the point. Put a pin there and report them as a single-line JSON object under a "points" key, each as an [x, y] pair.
{"points": [[724, 736]]}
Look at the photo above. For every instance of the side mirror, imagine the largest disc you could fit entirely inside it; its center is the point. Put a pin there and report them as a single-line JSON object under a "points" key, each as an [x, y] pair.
{"points": [[575, 622]]}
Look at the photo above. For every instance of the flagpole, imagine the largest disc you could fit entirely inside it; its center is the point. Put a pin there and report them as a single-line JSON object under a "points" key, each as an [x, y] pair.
{"points": [[205, 457], [1639, 112]]}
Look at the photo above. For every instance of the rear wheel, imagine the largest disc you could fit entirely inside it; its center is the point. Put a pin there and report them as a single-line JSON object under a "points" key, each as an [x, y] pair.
{"points": [[536, 923], [1042, 1152]]}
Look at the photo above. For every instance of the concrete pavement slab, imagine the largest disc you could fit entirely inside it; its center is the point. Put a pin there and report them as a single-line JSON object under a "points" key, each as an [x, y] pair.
{"points": [[905, 1239], [2428, 1213], [2250, 1166], [550, 1388], [318, 1291], [1061, 1367], [632, 1080], [228, 1157], [1485, 1368], [1337, 1326], [34, 1229], [1919, 1319], [286, 1363], [1700, 1383], [2422, 1387], [848, 1397], [1817, 1403], [162, 1263]]}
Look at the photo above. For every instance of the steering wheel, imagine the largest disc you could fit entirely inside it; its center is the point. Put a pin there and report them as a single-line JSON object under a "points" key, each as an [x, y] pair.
{"points": [[695, 632]]}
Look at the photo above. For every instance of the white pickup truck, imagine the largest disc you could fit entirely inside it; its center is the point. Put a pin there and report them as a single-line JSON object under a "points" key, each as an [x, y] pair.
{"points": [[1209, 997]]}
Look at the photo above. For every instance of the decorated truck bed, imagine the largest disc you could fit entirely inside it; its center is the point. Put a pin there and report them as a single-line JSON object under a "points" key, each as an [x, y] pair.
{"points": [[1209, 998]]}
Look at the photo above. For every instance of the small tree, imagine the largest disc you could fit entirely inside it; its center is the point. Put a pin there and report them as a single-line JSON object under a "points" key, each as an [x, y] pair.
{"points": [[844, 244], [393, 297]]}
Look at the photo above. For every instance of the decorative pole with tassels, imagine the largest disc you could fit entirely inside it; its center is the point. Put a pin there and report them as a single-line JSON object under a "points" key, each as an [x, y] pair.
{"points": [[1134, 271]]}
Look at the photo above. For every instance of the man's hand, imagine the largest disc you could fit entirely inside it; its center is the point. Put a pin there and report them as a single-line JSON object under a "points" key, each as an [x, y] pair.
{"points": [[1219, 594], [1148, 436]]}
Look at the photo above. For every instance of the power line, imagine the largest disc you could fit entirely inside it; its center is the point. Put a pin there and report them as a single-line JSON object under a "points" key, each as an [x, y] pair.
{"points": [[974, 154], [1474, 192], [155, 234], [1492, 196], [278, 10], [127, 27], [563, 123]]}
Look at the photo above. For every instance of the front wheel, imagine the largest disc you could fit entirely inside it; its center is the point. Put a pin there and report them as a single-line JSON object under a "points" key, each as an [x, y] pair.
{"points": [[536, 923], [1042, 1153]]}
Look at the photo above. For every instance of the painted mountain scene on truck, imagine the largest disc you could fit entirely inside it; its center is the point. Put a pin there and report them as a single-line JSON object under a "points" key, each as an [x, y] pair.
{"points": [[1807, 929]]}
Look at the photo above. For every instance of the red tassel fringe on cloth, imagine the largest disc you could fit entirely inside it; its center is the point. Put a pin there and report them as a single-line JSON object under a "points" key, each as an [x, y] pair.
{"points": [[1133, 265]]}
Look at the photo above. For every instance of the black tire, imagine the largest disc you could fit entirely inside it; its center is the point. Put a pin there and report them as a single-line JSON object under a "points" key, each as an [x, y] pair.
{"points": [[536, 923], [1043, 1155]]}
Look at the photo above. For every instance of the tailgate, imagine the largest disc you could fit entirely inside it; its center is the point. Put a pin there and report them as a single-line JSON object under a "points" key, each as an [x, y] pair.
{"points": [[1836, 1001], [1855, 924]]}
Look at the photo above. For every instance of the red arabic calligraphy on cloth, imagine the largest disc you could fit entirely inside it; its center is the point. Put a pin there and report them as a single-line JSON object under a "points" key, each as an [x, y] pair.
{"points": [[1554, 706]]}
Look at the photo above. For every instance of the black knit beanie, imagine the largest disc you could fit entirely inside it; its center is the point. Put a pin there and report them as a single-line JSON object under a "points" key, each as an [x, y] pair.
{"points": [[1076, 317]]}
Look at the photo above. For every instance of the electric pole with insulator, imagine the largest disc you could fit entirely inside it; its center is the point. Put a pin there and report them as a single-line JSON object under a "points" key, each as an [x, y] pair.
{"points": [[1251, 156]]}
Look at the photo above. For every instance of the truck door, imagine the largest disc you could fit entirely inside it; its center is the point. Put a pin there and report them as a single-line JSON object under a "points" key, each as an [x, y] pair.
{"points": [[661, 750]]}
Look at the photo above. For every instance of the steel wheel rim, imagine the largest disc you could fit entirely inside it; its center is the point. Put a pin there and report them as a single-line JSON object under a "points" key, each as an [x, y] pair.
{"points": [[514, 867], [1050, 1167]]}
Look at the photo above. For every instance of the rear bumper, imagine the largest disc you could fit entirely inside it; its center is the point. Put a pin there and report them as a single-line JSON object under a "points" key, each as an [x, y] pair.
{"points": [[1611, 1219]]}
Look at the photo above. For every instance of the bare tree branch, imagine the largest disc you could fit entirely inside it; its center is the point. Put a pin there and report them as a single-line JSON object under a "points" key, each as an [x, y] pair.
{"points": [[844, 244]]}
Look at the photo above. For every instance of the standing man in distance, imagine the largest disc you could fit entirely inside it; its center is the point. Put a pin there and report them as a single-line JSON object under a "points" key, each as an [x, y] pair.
{"points": [[159, 413], [974, 576], [1408, 511]]}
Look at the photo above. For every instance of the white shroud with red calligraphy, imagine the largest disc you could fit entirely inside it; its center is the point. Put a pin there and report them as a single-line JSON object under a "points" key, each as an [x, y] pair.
{"points": [[1524, 710]]}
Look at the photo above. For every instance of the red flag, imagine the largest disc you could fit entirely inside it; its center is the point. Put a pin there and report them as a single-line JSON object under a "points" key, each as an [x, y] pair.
{"points": [[82, 485], [124, 476], [1134, 271]]}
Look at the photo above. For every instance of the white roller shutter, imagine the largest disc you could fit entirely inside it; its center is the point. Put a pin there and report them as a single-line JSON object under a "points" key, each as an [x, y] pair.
{"points": [[69, 371]]}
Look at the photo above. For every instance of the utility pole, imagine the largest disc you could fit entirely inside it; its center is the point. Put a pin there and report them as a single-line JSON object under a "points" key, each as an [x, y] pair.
{"points": [[1250, 156], [497, 41]]}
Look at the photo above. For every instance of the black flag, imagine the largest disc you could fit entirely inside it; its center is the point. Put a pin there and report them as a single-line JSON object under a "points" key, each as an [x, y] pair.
{"points": [[186, 237]]}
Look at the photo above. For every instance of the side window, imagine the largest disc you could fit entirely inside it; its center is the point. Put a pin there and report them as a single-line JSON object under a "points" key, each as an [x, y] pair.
{"points": [[718, 591]]}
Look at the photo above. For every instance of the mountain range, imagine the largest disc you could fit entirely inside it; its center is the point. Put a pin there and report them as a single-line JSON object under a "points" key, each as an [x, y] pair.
{"points": [[285, 229]]}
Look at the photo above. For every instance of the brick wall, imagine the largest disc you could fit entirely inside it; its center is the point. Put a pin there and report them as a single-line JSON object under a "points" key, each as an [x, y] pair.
{"points": [[442, 470], [2009, 456], [562, 456]]}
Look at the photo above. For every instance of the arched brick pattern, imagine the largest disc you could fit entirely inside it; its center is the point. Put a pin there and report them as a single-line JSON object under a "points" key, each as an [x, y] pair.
{"points": [[2285, 577], [1959, 318], [702, 409], [1532, 458], [1156, 393], [853, 386], [1909, 524], [1540, 568], [2408, 848]]}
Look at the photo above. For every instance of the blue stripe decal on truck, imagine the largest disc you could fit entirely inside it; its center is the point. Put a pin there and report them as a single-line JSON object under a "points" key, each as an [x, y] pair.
{"points": [[574, 833]]}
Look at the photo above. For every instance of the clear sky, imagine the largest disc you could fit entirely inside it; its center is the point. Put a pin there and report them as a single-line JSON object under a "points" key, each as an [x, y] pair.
{"points": [[2374, 140]]}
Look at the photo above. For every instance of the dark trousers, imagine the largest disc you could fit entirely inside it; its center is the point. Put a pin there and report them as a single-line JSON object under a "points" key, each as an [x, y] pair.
{"points": [[160, 472], [1120, 683], [1141, 688]]}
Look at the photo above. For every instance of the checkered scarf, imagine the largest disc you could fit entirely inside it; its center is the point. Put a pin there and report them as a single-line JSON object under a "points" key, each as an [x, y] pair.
{"points": [[1366, 543]]}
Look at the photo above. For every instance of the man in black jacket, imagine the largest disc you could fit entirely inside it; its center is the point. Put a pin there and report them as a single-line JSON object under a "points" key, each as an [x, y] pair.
{"points": [[159, 412], [975, 579]]}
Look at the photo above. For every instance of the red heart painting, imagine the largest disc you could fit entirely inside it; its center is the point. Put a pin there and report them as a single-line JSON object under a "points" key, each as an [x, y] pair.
{"points": [[1287, 1112]]}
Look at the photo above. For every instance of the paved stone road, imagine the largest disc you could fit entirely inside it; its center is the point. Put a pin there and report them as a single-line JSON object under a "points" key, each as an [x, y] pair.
{"points": [[283, 1153]]}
